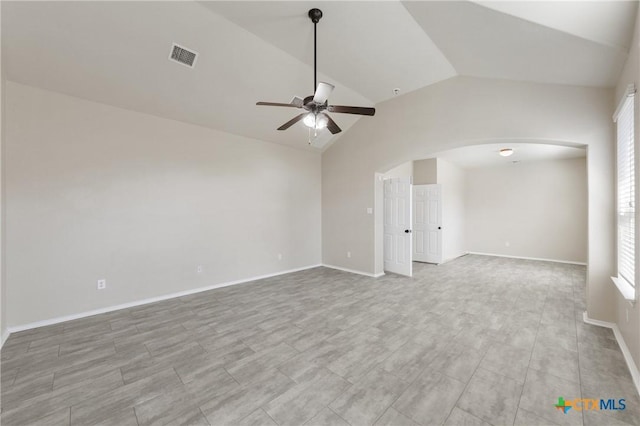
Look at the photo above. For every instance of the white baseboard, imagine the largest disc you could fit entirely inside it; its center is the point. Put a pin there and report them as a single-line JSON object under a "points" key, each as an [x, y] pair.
{"points": [[529, 258], [4, 335], [454, 258], [633, 369], [147, 301], [353, 271]]}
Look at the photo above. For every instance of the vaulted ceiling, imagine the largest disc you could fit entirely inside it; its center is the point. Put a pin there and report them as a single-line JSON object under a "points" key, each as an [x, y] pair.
{"points": [[116, 52]]}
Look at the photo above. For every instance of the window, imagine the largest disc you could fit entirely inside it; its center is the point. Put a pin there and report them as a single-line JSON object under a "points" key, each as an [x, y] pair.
{"points": [[624, 119]]}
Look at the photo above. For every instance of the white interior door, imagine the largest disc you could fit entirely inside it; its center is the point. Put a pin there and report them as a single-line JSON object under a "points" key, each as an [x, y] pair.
{"points": [[427, 223], [397, 226]]}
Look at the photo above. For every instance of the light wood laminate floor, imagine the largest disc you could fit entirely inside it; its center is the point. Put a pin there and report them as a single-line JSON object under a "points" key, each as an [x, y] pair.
{"points": [[479, 340]]}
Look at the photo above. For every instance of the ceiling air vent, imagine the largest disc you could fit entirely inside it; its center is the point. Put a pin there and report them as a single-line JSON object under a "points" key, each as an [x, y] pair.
{"points": [[183, 56]]}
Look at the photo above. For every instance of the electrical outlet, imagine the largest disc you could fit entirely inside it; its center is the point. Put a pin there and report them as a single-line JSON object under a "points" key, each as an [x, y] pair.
{"points": [[348, 254], [102, 284], [507, 244], [279, 256], [199, 269], [369, 210]]}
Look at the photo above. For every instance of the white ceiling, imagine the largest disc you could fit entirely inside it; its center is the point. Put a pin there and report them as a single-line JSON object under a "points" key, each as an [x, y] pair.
{"points": [[370, 47], [116, 52], [483, 42], [598, 21], [487, 155]]}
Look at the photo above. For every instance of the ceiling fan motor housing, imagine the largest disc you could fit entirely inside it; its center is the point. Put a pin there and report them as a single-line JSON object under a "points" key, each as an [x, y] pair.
{"points": [[312, 106]]}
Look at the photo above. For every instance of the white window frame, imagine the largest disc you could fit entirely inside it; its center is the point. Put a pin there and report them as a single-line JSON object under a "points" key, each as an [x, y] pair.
{"points": [[625, 209]]}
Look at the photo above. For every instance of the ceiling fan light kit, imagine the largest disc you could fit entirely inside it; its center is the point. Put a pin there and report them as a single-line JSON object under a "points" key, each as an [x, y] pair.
{"points": [[317, 105], [317, 122]]}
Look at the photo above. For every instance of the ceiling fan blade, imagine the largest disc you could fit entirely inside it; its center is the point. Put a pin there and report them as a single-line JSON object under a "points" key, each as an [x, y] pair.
{"points": [[351, 110], [322, 92], [291, 122], [278, 104], [297, 101], [331, 125]]}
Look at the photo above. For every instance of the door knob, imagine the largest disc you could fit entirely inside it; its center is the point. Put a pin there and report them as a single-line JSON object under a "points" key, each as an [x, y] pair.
{"points": [[407, 231]]}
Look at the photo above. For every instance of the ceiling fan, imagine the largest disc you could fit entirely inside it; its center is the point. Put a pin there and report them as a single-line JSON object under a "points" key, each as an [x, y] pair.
{"points": [[316, 106]]}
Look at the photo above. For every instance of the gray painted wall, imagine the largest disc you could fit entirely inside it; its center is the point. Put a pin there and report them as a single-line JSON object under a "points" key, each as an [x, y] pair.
{"points": [[94, 191], [425, 172], [536, 209]]}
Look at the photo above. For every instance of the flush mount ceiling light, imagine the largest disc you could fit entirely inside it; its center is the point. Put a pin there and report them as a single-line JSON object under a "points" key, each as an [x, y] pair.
{"points": [[505, 152]]}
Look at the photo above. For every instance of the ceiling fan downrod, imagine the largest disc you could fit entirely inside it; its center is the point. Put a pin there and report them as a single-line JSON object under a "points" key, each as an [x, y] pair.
{"points": [[315, 15]]}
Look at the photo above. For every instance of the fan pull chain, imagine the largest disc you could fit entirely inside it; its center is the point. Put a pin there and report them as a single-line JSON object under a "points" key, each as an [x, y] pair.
{"points": [[315, 135]]}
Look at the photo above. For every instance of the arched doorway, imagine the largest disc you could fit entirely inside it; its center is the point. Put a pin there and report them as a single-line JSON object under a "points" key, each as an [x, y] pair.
{"points": [[531, 204]]}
